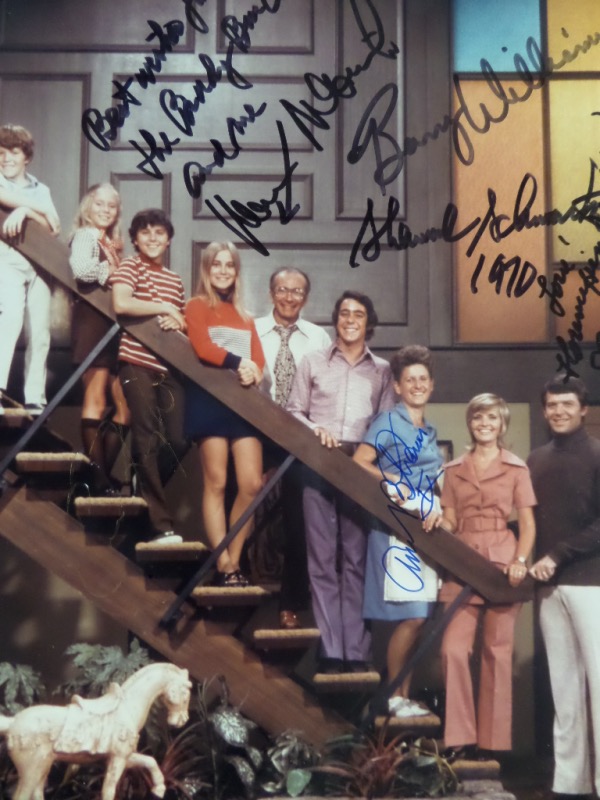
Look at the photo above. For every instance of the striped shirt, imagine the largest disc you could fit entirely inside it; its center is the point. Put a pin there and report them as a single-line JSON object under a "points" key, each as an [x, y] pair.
{"points": [[151, 283]]}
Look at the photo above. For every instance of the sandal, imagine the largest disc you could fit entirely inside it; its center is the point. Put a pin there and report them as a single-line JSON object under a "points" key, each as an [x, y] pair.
{"points": [[240, 579]]}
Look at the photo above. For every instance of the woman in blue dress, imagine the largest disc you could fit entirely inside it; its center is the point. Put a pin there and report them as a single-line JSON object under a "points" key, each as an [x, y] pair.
{"points": [[400, 448]]}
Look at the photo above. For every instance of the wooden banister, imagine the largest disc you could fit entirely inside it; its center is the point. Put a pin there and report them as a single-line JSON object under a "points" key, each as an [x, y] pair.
{"points": [[175, 349]]}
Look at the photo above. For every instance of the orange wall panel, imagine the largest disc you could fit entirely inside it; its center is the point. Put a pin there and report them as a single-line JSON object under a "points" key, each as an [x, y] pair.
{"points": [[509, 151]]}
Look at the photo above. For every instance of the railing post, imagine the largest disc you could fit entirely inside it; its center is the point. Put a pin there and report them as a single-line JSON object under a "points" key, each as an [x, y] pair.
{"points": [[432, 631], [172, 613]]}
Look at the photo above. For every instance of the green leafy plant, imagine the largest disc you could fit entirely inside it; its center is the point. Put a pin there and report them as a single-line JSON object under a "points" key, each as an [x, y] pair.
{"points": [[222, 755], [21, 686], [359, 765], [234, 755], [97, 666], [287, 765]]}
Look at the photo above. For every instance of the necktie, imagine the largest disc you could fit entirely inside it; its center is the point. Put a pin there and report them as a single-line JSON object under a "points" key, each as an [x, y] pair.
{"points": [[285, 366]]}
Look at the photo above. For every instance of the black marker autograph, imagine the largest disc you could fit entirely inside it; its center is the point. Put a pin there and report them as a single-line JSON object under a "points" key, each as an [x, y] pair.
{"points": [[372, 127], [570, 352], [243, 218], [498, 224], [327, 89], [194, 173], [101, 129], [466, 121], [412, 483]]}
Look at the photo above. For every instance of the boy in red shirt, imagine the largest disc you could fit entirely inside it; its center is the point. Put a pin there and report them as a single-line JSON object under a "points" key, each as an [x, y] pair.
{"points": [[143, 287]]}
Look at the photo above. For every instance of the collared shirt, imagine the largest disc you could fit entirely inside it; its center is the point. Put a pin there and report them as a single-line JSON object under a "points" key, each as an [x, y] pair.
{"points": [[32, 190], [487, 501], [331, 393], [306, 339]]}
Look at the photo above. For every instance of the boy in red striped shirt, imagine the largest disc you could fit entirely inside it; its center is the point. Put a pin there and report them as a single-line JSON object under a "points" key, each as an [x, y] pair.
{"points": [[143, 287]]}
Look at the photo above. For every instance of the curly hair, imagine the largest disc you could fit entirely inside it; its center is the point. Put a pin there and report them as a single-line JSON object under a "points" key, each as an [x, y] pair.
{"points": [[408, 356]]}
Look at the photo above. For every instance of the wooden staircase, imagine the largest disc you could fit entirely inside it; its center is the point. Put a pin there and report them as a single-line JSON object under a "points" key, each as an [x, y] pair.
{"points": [[202, 640], [121, 589]]}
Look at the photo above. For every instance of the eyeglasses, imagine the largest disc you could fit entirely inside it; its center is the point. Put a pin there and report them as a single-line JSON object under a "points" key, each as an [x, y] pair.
{"points": [[282, 291]]}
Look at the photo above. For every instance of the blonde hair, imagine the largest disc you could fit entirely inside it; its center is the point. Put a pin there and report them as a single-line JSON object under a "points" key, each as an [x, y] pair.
{"points": [[483, 402], [205, 288], [83, 218]]}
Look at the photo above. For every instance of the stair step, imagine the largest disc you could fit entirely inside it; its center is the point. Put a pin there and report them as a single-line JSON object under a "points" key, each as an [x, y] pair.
{"points": [[109, 506], [346, 681], [164, 551], [51, 462], [423, 723], [14, 417], [230, 595], [280, 639], [476, 770]]}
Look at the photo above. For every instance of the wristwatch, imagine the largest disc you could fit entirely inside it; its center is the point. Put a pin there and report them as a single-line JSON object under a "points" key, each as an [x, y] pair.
{"points": [[521, 559]]}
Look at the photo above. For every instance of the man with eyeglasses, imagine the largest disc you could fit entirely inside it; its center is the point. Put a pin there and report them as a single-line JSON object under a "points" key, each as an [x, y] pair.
{"points": [[286, 338]]}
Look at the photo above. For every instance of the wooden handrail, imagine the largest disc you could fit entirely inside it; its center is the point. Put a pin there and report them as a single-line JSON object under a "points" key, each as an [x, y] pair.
{"points": [[174, 348]]}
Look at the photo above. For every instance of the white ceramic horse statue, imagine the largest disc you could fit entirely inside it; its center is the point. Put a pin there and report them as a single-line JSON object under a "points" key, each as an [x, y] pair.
{"points": [[104, 728]]}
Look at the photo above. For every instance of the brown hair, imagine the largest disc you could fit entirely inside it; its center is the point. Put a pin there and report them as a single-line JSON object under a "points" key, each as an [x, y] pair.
{"points": [[410, 355], [17, 136], [364, 300], [566, 384]]}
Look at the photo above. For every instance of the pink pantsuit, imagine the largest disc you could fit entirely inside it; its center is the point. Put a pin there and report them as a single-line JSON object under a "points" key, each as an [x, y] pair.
{"points": [[482, 507]]}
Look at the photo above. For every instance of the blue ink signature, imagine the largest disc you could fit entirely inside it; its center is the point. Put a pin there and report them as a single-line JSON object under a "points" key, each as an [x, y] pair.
{"points": [[412, 483], [401, 458], [410, 561]]}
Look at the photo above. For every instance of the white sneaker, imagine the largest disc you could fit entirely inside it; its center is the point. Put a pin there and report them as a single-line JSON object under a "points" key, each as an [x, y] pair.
{"points": [[396, 703], [403, 707], [167, 537]]}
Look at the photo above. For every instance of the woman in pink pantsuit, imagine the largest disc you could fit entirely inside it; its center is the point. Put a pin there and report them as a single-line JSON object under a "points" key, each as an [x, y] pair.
{"points": [[481, 488]]}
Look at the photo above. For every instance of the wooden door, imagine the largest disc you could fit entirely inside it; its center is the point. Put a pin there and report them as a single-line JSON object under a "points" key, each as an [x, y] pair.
{"points": [[282, 126]]}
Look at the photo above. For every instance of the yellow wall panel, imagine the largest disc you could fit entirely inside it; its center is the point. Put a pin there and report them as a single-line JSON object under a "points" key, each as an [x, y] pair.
{"points": [[574, 141], [574, 34], [503, 157]]}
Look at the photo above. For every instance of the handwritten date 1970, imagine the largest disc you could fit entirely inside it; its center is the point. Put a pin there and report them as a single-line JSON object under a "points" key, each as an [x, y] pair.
{"points": [[397, 235]]}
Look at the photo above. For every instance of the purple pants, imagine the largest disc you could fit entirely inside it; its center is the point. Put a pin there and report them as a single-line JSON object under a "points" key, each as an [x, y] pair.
{"points": [[336, 539]]}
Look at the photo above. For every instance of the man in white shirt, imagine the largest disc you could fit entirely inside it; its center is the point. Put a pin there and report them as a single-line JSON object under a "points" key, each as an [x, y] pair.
{"points": [[286, 338]]}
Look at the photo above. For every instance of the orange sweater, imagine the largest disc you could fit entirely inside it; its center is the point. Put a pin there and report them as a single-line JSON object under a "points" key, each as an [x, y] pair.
{"points": [[220, 336]]}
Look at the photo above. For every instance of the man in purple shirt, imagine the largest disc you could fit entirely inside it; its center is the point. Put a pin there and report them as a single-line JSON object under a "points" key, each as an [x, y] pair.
{"points": [[336, 392]]}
